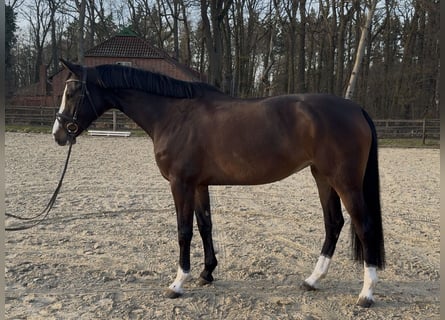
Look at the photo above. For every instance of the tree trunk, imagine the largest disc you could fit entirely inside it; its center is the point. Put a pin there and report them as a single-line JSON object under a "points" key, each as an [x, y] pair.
{"points": [[228, 85], [208, 39], [92, 24], [327, 50], [175, 14], [344, 17], [268, 59], [214, 37], [81, 32], [54, 44], [360, 51], [187, 53], [301, 64]]}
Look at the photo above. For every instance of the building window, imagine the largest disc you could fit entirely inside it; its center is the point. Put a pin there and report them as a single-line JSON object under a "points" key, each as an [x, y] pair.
{"points": [[124, 63]]}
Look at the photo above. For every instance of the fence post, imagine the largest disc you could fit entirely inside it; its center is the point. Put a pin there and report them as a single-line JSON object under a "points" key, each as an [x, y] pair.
{"points": [[424, 131], [114, 120], [41, 114]]}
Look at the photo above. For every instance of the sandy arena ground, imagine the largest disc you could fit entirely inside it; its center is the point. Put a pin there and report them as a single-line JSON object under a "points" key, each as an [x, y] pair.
{"points": [[108, 249]]}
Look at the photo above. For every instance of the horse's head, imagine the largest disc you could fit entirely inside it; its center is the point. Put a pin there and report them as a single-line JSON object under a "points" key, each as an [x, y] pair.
{"points": [[81, 104]]}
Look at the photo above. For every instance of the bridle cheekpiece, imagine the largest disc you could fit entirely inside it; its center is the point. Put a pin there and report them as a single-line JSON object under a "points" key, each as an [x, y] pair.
{"points": [[70, 124]]}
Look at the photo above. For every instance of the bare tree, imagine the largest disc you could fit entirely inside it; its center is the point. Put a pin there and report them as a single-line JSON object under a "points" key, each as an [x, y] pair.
{"points": [[213, 34], [301, 64], [53, 8], [186, 39], [174, 12], [268, 56], [327, 49], [360, 50], [247, 33], [287, 14], [91, 29], [39, 18], [345, 13], [81, 7]]}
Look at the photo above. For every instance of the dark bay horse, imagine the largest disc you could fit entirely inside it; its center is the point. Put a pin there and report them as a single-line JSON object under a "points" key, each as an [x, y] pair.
{"points": [[203, 137]]}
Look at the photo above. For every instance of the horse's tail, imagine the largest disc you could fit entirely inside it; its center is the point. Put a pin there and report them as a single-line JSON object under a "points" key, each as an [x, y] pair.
{"points": [[371, 191]]}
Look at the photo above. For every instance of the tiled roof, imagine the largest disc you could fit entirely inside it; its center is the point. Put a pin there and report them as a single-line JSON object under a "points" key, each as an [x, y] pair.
{"points": [[125, 46]]}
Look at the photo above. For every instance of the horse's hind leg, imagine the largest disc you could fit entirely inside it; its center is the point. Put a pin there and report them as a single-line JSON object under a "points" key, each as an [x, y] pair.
{"points": [[203, 218], [333, 221], [365, 231]]}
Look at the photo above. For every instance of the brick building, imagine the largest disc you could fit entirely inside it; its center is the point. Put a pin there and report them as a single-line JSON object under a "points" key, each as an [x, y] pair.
{"points": [[123, 49]]}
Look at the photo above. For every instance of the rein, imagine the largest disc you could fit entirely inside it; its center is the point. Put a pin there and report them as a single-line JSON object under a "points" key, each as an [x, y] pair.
{"points": [[42, 215], [70, 124]]}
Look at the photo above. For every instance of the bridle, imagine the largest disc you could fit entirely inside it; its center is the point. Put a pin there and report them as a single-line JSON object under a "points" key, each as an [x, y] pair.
{"points": [[70, 123]]}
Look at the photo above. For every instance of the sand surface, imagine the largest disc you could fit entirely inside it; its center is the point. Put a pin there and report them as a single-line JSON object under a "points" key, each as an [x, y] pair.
{"points": [[108, 249]]}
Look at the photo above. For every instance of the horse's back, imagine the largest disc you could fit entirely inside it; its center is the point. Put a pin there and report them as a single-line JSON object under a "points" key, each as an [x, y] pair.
{"points": [[320, 119], [264, 140]]}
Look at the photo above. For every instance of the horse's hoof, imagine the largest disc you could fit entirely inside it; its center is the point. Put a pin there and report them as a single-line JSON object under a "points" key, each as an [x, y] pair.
{"points": [[365, 302], [169, 293], [204, 282], [307, 287], [205, 278]]}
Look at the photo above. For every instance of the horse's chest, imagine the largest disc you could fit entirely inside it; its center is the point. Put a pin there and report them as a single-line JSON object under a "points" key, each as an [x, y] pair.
{"points": [[177, 161]]}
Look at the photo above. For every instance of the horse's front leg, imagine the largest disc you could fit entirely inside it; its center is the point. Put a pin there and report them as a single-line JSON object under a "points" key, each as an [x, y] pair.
{"points": [[203, 218], [183, 195]]}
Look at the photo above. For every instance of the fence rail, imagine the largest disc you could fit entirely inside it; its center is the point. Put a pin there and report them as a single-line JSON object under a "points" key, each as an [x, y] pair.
{"points": [[44, 116], [396, 128], [113, 120]]}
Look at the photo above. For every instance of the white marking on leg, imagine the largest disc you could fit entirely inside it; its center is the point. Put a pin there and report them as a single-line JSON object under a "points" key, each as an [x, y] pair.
{"points": [[369, 281], [320, 271], [57, 125], [181, 277]]}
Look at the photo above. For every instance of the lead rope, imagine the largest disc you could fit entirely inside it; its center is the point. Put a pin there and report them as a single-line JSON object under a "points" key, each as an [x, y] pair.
{"points": [[42, 215]]}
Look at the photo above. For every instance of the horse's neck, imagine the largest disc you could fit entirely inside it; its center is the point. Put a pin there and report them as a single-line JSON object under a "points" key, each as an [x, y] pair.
{"points": [[144, 109]]}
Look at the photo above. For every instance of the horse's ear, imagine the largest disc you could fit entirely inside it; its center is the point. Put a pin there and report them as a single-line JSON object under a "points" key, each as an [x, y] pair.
{"points": [[74, 68]]}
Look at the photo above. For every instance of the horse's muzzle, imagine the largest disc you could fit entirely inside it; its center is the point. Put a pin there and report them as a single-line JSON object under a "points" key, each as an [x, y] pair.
{"points": [[63, 141]]}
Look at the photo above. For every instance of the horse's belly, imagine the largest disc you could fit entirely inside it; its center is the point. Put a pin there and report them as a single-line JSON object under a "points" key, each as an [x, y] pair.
{"points": [[248, 171]]}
